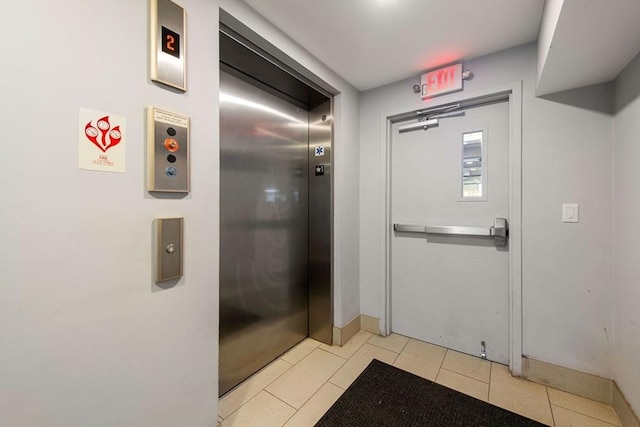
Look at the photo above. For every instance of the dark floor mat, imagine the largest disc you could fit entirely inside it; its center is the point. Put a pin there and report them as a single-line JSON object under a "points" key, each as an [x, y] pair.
{"points": [[384, 395]]}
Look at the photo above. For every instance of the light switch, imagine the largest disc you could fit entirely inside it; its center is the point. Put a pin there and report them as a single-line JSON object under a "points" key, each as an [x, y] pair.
{"points": [[570, 212]]}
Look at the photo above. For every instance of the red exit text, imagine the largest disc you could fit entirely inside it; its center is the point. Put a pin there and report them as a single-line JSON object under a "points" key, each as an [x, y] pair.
{"points": [[441, 81]]}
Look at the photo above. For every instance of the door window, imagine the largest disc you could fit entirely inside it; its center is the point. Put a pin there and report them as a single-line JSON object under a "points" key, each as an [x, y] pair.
{"points": [[473, 176]]}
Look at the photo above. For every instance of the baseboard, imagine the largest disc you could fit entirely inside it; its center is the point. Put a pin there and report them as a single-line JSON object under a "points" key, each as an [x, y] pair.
{"points": [[586, 385], [370, 324], [337, 336], [628, 418], [341, 336], [575, 382]]}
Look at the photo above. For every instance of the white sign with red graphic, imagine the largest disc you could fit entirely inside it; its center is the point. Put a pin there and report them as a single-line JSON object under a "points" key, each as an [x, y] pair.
{"points": [[102, 144]]}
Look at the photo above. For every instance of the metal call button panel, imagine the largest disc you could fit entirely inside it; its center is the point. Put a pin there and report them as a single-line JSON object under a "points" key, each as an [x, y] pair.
{"points": [[167, 151], [168, 41], [168, 248]]}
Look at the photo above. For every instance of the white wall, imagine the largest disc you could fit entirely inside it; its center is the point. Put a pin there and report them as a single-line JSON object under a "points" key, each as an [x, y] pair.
{"points": [[626, 301], [567, 157], [346, 200], [86, 338]]}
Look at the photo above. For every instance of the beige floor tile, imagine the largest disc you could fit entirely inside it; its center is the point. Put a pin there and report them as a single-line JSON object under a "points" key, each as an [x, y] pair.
{"points": [[566, 418], [263, 410], [300, 351], [349, 349], [421, 358], [467, 365], [315, 408], [360, 360], [393, 342], [302, 381], [518, 395], [251, 387], [464, 384], [583, 406]]}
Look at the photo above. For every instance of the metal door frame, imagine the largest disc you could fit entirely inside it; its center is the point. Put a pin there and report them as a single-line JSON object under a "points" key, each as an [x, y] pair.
{"points": [[272, 53], [513, 93]]}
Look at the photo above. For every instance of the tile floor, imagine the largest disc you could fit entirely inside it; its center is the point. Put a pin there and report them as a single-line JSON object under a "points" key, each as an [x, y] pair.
{"points": [[298, 388]]}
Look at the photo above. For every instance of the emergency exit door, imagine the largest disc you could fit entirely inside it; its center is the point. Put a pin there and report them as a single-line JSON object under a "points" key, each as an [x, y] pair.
{"points": [[448, 287]]}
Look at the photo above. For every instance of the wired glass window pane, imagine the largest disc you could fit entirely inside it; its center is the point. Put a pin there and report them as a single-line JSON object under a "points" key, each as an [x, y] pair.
{"points": [[472, 165]]}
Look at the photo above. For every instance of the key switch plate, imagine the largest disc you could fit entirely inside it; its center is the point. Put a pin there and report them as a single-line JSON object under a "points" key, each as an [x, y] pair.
{"points": [[168, 248]]}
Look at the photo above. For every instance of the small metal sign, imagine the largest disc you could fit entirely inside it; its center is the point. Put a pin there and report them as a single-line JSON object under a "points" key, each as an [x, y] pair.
{"points": [[319, 170], [441, 81], [319, 150]]}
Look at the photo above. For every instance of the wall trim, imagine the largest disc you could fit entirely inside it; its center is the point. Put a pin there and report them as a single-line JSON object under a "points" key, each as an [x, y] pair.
{"points": [[582, 384], [337, 336], [628, 418], [575, 382], [514, 93], [370, 324], [341, 336]]}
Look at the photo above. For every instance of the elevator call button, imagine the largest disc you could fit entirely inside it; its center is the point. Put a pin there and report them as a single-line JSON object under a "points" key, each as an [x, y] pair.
{"points": [[167, 157], [171, 145]]}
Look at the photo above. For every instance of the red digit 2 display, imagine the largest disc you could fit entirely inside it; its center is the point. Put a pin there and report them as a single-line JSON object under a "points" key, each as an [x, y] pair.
{"points": [[170, 42]]}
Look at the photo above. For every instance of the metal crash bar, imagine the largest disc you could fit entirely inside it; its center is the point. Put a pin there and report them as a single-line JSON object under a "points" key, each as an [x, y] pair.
{"points": [[499, 232]]}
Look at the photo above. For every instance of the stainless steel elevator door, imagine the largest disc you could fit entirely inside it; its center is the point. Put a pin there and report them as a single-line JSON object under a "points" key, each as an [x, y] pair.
{"points": [[263, 228]]}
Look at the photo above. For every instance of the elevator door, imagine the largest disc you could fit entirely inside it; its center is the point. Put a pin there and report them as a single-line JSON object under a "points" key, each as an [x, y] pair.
{"points": [[452, 290], [263, 228]]}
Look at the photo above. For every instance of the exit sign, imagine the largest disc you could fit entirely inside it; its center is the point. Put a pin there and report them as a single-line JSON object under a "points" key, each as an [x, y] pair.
{"points": [[441, 81]]}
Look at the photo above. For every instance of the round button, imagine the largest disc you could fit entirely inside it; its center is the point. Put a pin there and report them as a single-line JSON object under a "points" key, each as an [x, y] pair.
{"points": [[171, 172], [171, 248], [171, 145], [171, 158], [171, 131]]}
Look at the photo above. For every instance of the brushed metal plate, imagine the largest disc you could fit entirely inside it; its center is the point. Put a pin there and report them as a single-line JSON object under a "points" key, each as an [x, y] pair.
{"points": [[167, 151], [167, 39], [169, 253]]}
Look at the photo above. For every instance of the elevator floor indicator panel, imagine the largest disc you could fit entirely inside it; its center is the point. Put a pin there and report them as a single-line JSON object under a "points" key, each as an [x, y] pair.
{"points": [[167, 151]]}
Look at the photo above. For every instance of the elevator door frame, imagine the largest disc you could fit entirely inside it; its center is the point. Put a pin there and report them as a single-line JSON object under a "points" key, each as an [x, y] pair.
{"points": [[320, 307], [512, 92], [321, 313]]}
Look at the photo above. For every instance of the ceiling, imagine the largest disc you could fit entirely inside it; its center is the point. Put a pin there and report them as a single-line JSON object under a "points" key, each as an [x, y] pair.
{"points": [[375, 42]]}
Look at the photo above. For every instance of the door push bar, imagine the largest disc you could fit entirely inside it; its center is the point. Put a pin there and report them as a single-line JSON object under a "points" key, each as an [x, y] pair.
{"points": [[499, 232]]}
